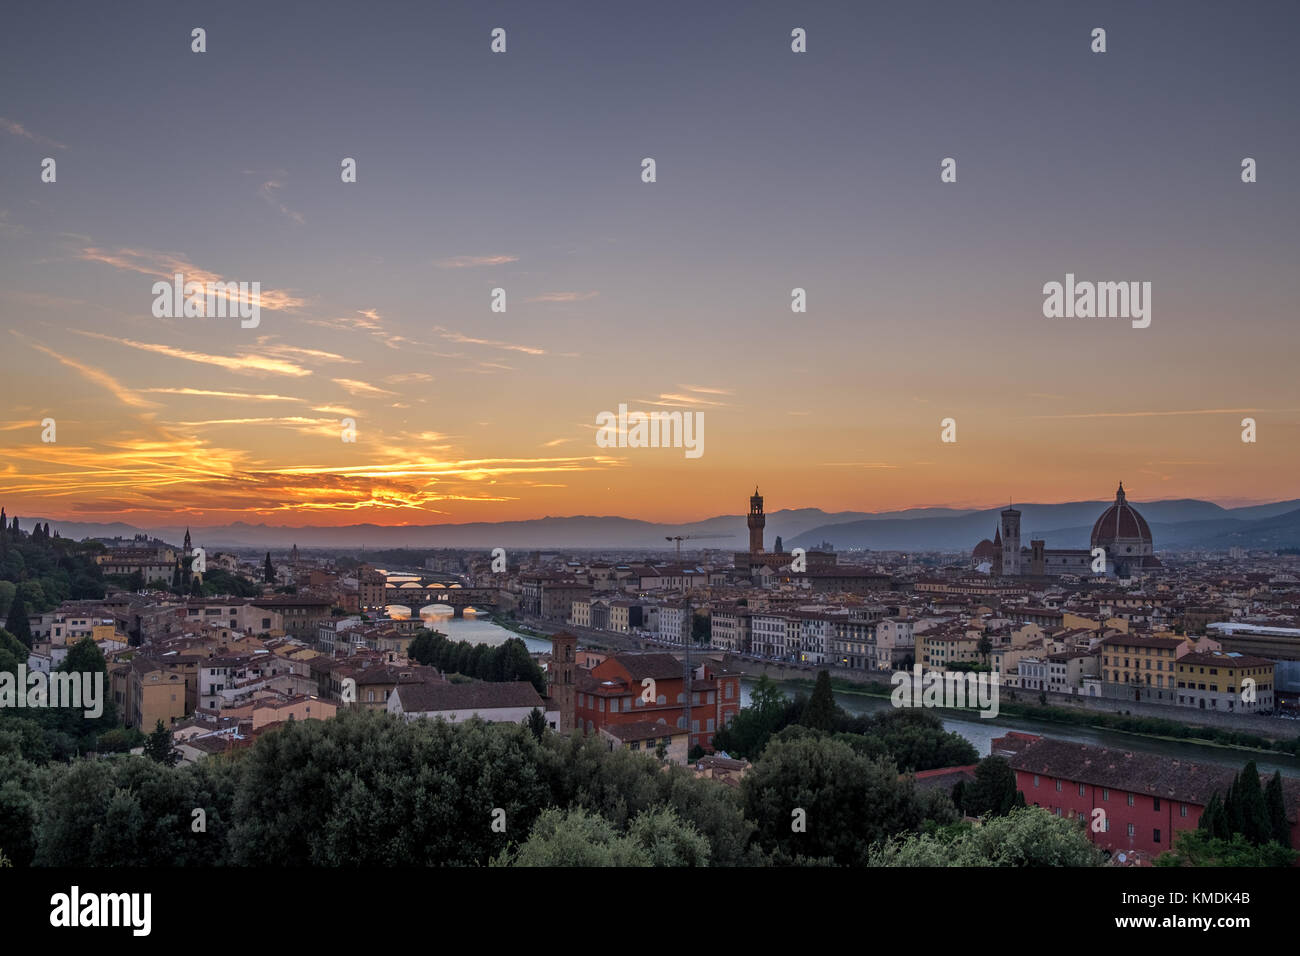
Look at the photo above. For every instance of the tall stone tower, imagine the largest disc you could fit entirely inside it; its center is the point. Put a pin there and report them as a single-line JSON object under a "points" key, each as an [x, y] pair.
{"points": [[186, 561], [559, 678], [757, 520], [1038, 558], [1011, 542]]}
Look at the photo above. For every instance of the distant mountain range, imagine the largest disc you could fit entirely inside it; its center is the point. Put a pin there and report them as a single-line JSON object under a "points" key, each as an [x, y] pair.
{"points": [[1185, 523]]}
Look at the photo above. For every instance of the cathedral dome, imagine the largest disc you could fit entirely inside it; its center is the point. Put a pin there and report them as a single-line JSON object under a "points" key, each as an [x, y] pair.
{"points": [[985, 550], [1121, 530]]}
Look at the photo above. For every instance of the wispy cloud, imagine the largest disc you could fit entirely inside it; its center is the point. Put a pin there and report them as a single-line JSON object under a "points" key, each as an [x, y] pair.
{"points": [[267, 191], [212, 393], [563, 297], [92, 374], [468, 340], [469, 262], [291, 351], [360, 389], [703, 390], [234, 363], [667, 399], [164, 265], [22, 132]]}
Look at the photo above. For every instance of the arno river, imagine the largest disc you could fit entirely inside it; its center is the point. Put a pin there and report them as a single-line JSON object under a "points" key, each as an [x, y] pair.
{"points": [[981, 731]]}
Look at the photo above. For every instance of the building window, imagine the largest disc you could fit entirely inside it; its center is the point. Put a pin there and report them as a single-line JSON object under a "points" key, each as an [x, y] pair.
{"points": [[1058, 786], [1080, 789], [1157, 835], [1182, 811], [1155, 803], [1132, 829], [1130, 799]]}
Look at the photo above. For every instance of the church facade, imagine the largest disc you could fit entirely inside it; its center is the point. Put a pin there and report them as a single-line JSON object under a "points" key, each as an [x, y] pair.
{"points": [[1121, 531]]}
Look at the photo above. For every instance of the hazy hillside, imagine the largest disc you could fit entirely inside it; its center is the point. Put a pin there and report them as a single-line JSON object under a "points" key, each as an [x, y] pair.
{"points": [[1178, 523]]}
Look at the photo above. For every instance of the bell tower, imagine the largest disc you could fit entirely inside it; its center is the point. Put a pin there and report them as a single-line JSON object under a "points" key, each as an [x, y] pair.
{"points": [[757, 520], [560, 678], [1011, 542]]}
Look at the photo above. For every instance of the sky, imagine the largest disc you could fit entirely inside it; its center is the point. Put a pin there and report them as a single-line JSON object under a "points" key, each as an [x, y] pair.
{"points": [[522, 171]]}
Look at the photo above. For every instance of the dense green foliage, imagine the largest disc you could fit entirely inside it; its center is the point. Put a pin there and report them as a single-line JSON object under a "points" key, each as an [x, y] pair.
{"points": [[1246, 810], [581, 838], [814, 798], [220, 582], [912, 738], [43, 734], [993, 792], [1027, 836], [366, 788], [1246, 826], [509, 661], [158, 747], [1199, 848], [42, 572]]}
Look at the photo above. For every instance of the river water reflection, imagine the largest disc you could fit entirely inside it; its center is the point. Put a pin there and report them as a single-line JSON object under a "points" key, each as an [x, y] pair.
{"points": [[981, 731]]}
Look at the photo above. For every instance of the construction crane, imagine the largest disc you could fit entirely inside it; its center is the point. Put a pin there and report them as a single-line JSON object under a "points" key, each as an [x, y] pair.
{"points": [[679, 538]]}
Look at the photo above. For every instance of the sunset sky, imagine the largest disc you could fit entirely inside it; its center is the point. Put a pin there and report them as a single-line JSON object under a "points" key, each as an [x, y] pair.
{"points": [[523, 171]]}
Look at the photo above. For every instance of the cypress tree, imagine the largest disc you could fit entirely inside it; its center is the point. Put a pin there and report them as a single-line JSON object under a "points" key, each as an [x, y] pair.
{"points": [[268, 572], [1214, 821], [821, 712], [18, 625], [1256, 826], [1232, 815], [1275, 803], [158, 746], [994, 790]]}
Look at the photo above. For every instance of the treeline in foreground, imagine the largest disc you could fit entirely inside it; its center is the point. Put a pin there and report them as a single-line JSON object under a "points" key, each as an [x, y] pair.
{"points": [[366, 789]]}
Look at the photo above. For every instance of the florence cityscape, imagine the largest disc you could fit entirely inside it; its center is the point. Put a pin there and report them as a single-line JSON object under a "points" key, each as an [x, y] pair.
{"points": [[564, 436]]}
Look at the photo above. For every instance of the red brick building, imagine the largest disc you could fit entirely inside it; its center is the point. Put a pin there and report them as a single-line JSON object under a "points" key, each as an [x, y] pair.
{"points": [[614, 691], [1147, 798]]}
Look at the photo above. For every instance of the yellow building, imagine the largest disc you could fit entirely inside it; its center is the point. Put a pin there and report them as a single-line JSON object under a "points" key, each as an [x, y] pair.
{"points": [[152, 693], [940, 649], [1140, 668], [1076, 621], [1235, 683]]}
